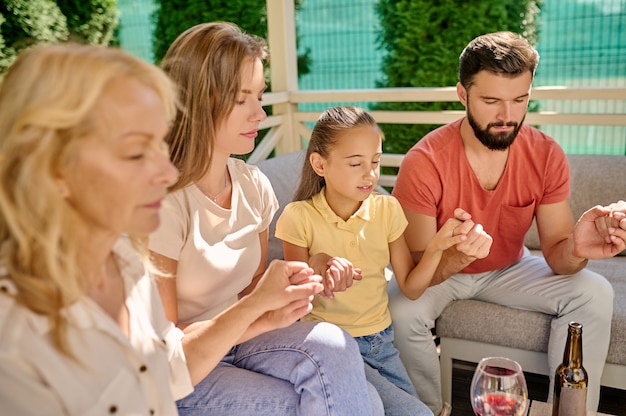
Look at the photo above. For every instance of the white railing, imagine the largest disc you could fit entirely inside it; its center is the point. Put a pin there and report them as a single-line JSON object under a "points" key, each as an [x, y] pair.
{"points": [[289, 131]]}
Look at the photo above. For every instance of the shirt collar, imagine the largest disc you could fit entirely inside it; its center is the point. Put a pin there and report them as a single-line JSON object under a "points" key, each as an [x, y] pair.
{"points": [[85, 313], [365, 212]]}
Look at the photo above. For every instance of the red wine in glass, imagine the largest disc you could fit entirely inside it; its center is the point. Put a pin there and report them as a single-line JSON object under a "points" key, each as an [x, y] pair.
{"points": [[499, 388], [499, 404]]}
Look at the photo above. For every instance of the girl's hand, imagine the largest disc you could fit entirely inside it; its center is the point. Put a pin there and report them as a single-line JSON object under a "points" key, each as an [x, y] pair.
{"points": [[448, 235], [339, 276], [338, 273], [319, 263]]}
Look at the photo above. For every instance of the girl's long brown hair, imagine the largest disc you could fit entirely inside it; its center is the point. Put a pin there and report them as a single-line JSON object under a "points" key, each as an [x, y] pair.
{"points": [[330, 126]]}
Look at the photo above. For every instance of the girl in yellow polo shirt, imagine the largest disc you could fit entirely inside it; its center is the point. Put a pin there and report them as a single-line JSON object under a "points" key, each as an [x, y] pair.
{"points": [[335, 211]]}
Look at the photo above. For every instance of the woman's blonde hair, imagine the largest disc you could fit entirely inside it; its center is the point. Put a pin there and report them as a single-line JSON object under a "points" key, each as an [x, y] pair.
{"points": [[49, 100], [206, 62], [330, 126]]}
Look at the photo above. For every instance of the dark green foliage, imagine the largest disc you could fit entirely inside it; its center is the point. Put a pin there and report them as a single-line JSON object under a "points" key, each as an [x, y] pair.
{"points": [[423, 40], [175, 16], [92, 21], [24, 23]]}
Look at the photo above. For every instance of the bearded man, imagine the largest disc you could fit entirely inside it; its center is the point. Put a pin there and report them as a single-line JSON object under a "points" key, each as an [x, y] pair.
{"points": [[496, 174]]}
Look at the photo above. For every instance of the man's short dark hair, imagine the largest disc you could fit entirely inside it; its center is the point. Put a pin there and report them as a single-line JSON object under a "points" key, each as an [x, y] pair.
{"points": [[505, 53]]}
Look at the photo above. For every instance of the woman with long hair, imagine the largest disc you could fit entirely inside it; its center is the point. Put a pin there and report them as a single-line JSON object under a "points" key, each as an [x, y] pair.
{"points": [[212, 245]]}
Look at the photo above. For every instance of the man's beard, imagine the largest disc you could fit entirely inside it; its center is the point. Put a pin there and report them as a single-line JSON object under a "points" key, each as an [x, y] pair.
{"points": [[499, 141]]}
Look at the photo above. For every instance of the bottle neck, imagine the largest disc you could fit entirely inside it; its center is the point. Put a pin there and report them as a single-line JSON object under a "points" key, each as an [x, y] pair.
{"points": [[573, 354]]}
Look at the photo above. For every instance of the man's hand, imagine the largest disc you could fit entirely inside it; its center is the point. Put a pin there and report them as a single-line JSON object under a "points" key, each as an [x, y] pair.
{"points": [[475, 245], [478, 243], [598, 234]]}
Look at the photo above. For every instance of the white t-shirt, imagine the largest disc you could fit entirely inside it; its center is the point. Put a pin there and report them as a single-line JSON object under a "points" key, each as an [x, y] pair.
{"points": [[217, 249], [114, 374]]}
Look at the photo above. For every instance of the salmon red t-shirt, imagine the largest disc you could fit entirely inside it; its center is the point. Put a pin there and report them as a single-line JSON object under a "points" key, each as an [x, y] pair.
{"points": [[435, 178]]}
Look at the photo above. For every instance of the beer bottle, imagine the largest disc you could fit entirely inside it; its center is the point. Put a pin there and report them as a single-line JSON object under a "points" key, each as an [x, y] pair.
{"points": [[570, 381]]}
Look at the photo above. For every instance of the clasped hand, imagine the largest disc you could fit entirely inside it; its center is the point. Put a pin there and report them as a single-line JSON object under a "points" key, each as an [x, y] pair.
{"points": [[601, 231], [286, 291], [339, 273], [478, 243]]}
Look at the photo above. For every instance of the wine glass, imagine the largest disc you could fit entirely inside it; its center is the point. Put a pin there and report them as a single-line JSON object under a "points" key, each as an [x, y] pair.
{"points": [[499, 388]]}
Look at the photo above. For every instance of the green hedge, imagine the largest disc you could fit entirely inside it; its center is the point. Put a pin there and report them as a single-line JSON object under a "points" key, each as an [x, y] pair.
{"points": [[24, 23], [423, 39], [175, 16]]}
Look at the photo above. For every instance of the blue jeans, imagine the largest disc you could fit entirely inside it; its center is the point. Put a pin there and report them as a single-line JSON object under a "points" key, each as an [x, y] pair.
{"points": [[308, 368], [387, 374]]}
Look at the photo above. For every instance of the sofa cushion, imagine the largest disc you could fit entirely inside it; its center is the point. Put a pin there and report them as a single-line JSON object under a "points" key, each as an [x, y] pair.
{"points": [[489, 323]]}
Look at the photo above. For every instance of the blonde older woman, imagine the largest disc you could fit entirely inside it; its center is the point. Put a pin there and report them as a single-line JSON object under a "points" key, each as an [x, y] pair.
{"points": [[83, 171]]}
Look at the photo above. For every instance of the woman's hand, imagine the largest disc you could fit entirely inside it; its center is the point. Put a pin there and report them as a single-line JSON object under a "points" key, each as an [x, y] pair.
{"points": [[286, 291]]}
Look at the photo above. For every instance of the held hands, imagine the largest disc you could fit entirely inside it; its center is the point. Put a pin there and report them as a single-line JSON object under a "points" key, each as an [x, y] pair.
{"points": [[339, 274], [286, 290], [447, 236], [614, 223], [477, 244], [601, 232]]}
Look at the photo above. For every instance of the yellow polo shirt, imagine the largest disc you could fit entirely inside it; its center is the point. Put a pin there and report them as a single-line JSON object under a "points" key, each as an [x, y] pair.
{"points": [[364, 240]]}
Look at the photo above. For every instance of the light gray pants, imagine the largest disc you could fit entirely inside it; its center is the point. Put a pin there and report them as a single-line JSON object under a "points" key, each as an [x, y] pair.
{"points": [[529, 284]]}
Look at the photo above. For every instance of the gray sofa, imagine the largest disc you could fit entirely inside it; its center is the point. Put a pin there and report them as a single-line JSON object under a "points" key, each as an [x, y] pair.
{"points": [[469, 329]]}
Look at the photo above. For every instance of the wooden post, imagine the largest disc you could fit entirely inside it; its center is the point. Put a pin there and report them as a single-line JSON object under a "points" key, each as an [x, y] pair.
{"points": [[281, 30]]}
